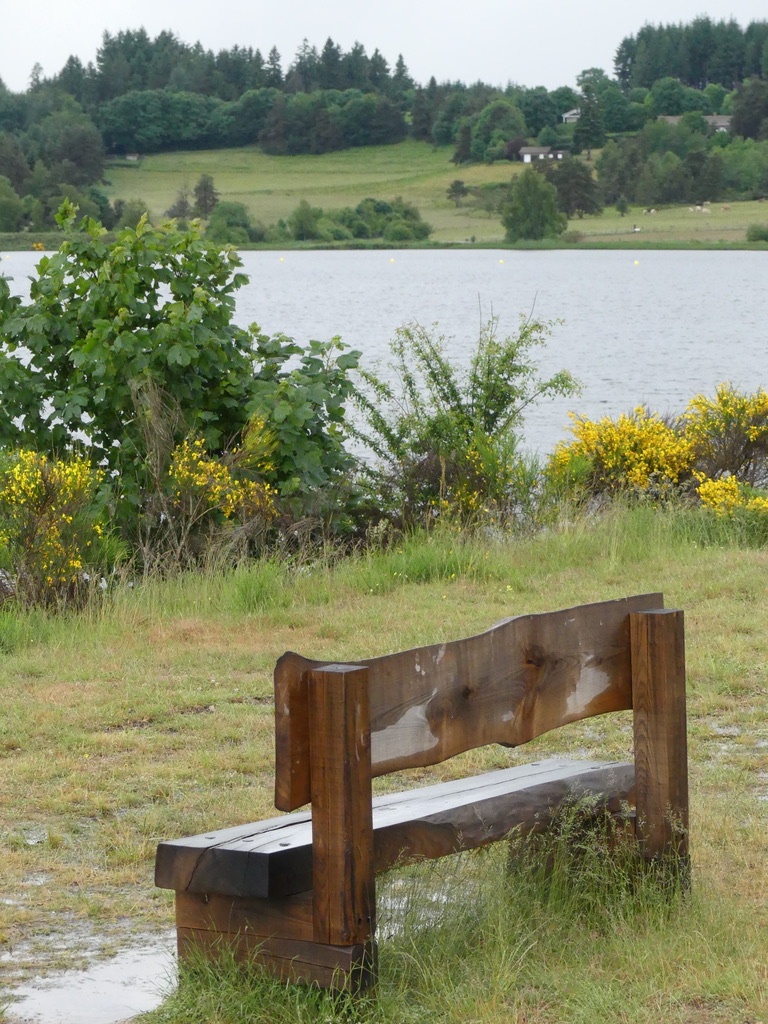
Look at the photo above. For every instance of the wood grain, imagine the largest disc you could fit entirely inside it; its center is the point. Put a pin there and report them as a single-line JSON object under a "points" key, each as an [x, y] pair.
{"points": [[342, 825], [428, 822], [287, 917], [521, 678], [659, 723], [328, 966]]}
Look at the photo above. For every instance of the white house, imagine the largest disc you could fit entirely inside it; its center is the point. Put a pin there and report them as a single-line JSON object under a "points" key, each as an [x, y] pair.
{"points": [[530, 153]]}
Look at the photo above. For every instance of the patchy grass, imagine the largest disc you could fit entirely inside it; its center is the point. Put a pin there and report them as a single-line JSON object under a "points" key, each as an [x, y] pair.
{"points": [[151, 718]]}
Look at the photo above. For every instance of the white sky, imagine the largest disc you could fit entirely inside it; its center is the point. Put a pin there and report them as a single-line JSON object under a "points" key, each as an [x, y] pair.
{"points": [[531, 42]]}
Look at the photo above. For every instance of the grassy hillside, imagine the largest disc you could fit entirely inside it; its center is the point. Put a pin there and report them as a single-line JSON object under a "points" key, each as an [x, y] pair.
{"points": [[272, 186]]}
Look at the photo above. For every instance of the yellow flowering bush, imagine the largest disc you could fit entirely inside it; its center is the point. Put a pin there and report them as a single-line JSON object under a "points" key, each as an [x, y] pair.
{"points": [[203, 505], [638, 451], [729, 433], [201, 484], [50, 526], [727, 496]]}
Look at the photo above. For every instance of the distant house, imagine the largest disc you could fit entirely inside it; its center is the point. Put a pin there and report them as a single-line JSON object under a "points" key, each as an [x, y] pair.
{"points": [[720, 122], [571, 116], [530, 153]]}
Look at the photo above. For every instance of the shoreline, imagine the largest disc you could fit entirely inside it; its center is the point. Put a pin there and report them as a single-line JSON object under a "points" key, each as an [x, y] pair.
{"points": [[26, 242]]}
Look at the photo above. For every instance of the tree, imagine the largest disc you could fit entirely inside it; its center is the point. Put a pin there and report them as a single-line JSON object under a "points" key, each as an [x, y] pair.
{"points": [[11, 207], [532, 208], [463, 151], [206, 196], [13, 163], [273, 72], [496, 123], [667, 96], [456, 191], [180, 208], [304, 220], [538, 109], [231, 224], [750, 109], [589, 130], [577, 191], [329, 68]]}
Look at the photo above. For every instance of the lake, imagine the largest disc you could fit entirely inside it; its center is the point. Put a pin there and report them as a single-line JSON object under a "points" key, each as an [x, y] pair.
{"points": [[651, 327]]}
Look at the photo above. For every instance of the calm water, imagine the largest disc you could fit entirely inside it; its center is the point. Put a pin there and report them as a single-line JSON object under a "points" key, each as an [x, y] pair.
{"points": [[648, 327]]}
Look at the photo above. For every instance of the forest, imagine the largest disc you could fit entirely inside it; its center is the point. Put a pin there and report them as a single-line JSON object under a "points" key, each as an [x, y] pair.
{"points": [[144, 95]]}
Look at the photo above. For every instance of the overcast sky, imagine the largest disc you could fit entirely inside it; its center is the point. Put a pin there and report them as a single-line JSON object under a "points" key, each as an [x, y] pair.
{"points": [[531, 42]]}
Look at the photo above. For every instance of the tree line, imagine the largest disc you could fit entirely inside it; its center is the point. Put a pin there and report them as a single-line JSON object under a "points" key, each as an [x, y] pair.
{"points": [[143, 95], [702, 53]]}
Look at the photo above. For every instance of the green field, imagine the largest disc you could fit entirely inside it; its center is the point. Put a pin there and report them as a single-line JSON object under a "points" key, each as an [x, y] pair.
{"points": [[272, 186]]}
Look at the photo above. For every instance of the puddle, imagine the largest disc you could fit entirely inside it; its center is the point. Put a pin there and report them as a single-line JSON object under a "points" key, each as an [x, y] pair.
{"points": [[133, 981]]}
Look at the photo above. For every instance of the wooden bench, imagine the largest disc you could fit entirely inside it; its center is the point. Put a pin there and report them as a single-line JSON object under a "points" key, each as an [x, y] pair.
{"points": [[297, 892]]}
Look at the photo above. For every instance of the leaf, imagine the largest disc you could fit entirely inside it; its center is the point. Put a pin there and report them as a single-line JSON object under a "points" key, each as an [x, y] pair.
{"points": [[281, 411], [178, 355]]}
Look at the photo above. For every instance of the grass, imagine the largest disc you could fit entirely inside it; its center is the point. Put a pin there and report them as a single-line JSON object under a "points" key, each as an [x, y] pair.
{"points": [[151, 717], [272, 186]]}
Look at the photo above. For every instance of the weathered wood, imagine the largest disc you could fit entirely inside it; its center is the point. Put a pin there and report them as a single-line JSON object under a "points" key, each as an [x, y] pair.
{"points": [[342, 824], [200, 863], [521, 678], [273, 858], [287, 917], [659, 722], [297, 893], [328, 966]]}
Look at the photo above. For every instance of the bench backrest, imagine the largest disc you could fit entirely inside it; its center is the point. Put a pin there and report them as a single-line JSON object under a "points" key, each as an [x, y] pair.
{"points": [[519, 679]]}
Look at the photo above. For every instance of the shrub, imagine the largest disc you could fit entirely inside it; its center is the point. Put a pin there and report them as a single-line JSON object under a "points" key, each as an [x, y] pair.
{"points": [[110, 324], [206, 504], [447, 439], [155, 304], [52, 527], [757, 233], [638, 451], [729, 433]]}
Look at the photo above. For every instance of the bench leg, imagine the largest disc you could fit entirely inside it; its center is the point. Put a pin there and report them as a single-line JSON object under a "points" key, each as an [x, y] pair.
{"points": [[661, 757], [276, 934]]}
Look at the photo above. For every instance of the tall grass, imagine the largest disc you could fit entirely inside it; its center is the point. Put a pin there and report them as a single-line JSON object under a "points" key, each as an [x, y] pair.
{"points": [[560, 928]]}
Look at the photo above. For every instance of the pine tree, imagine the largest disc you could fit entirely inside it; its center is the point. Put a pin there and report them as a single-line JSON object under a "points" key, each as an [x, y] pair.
{"points": [[206, 196]]}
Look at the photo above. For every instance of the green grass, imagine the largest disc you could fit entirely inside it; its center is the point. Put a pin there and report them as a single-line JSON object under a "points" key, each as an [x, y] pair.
{"points": [[272, 186], [150, 717]]}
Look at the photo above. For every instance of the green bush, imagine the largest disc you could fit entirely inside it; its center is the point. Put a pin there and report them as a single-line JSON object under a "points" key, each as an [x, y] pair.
{"points": [[757, 233], [447, 440]]}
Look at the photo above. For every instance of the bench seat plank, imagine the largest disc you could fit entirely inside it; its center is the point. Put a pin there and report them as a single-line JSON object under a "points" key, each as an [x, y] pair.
{"points": [[273, 858]]}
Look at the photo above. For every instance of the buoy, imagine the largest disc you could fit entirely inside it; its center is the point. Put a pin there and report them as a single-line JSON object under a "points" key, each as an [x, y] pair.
{"points": [[637, 263]]}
